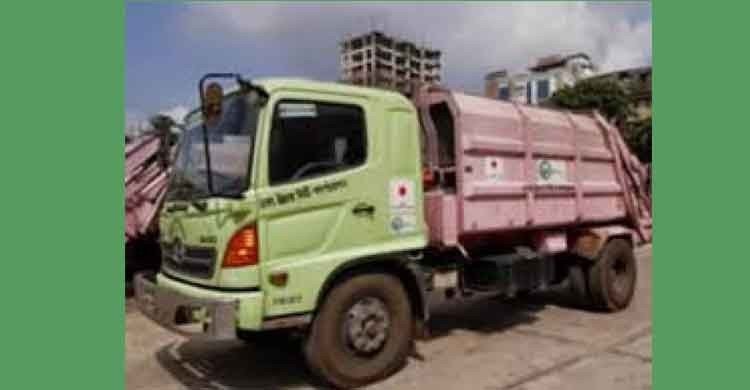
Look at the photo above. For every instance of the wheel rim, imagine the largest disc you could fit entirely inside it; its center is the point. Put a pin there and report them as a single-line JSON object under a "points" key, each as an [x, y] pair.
{"points": [[367, 326]]}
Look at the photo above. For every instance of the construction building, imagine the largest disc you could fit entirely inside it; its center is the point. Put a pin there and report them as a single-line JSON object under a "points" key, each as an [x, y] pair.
{"points": [[375, 59]]}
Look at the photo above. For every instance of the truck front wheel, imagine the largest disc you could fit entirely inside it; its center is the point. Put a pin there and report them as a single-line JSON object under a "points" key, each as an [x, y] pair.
{"points": [[362, 332], [612, 278]]}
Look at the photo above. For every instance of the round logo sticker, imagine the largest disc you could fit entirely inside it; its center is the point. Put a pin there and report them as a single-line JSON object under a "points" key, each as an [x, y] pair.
{"points": [[397, 223], [545, 170]]}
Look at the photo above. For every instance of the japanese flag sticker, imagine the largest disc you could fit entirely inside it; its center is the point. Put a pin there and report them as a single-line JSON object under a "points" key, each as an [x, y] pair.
{"points": [[402, 193], [403, 206], [493, 168]]}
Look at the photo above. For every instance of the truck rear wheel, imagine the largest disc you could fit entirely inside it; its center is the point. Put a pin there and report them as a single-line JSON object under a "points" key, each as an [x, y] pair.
{"points": [[362, 333], [578, 285], [612, 278]]}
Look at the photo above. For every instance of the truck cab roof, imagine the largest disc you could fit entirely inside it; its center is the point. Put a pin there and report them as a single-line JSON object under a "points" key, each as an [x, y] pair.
{"points": [[271, 85]]}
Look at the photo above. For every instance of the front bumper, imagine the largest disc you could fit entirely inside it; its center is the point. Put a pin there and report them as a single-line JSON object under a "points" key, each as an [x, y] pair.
{"points": [[180, 308]]}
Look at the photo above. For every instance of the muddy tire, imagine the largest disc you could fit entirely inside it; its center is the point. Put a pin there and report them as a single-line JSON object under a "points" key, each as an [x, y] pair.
{"points": [[611, 280], [362, 333], [578, 285]]}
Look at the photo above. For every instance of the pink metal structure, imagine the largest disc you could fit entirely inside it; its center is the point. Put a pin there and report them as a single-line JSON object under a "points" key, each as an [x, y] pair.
{"points": [[505, 167], [145, 184]]}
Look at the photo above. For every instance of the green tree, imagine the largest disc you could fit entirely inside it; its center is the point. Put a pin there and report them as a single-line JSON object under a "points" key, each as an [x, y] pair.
{"points": [[615, 102], [637, 135]]}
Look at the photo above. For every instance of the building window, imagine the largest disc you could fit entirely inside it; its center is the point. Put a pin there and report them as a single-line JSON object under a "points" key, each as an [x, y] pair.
{"points": [[529, 96], [542, 89], [504, 93], [312, 139]]}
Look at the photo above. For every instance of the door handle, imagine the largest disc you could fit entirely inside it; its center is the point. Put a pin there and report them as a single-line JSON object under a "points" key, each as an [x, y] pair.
{"points": [[363, 208]]}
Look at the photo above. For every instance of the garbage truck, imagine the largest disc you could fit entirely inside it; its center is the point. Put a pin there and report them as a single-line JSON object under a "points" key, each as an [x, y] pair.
{"points": [[336, 212]]}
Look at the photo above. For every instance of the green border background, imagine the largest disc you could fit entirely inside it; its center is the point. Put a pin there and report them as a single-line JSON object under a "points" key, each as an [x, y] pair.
{"points": [[701, 313], [62, 195]]}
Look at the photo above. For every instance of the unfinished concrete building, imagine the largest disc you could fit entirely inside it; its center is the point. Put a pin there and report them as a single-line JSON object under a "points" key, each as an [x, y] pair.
{"points": [[375, 59]]}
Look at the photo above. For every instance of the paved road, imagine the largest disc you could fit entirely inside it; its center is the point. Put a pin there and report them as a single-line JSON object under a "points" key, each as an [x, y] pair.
{"points": [[540, 343]]}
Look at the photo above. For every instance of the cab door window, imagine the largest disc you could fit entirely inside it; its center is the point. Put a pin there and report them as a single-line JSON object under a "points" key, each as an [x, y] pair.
{"points": [[311, 139]]}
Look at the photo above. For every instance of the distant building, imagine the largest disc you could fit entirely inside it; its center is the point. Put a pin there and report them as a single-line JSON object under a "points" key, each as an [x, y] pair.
{"points": [[375, 59], [544, 78], [501, 85]]}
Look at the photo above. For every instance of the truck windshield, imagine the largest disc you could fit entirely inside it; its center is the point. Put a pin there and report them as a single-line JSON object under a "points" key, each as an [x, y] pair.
{"points": [[230, 142]]}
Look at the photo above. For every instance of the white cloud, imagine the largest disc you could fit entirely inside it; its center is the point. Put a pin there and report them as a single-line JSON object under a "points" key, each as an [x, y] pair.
{"points": [[177, 113], [632, 48], [475, 37], [134, 121]]}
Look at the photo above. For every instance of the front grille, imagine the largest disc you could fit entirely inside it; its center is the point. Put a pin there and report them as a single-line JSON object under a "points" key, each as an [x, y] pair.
{"points": [[189, 260]]}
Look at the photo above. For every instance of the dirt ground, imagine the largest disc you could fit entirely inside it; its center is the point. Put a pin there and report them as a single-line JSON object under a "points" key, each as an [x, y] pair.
{"points": [[540, 343]]}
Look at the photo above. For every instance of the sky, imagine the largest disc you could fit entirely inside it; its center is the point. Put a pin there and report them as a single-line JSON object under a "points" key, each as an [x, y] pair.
{"points": [[169, 46]]}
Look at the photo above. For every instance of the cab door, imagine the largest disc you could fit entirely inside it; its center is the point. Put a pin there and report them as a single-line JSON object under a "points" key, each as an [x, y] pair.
{"points": [[321, 193]]}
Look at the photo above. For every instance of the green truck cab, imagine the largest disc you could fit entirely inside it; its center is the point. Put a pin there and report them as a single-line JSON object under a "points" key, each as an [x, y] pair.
{"points": [[311, 217]]}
